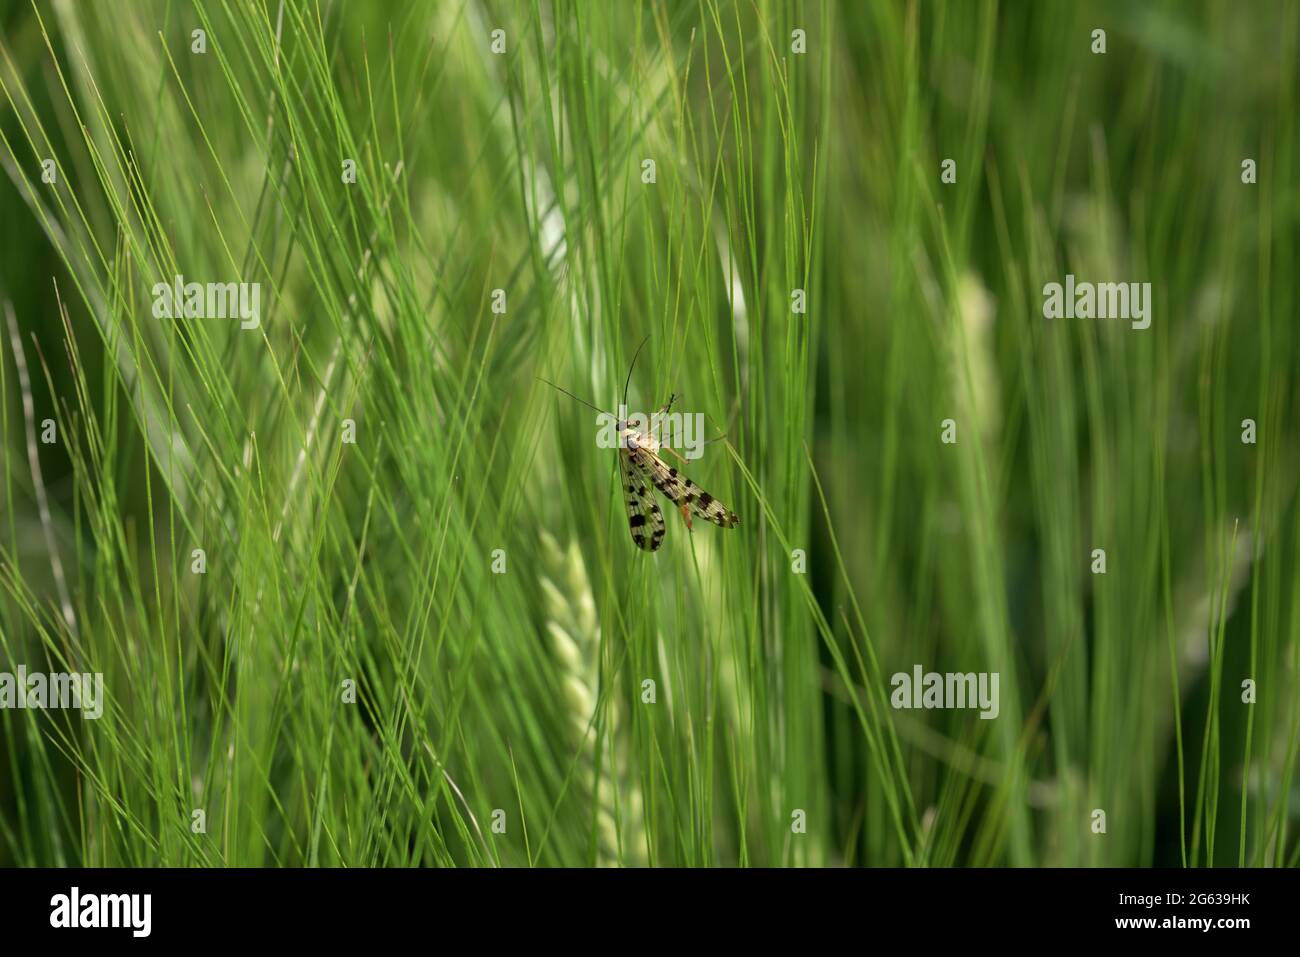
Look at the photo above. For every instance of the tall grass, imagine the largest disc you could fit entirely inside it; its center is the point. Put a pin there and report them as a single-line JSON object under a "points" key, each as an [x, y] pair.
{"points": [[421, 634]]}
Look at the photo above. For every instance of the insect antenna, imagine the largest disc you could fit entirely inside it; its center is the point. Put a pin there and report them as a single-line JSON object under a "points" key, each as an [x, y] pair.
{"points": [[630, 368], [572, 396]]}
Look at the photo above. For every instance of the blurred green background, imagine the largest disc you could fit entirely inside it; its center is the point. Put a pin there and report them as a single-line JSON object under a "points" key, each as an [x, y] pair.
{"points": [[360, 585]]}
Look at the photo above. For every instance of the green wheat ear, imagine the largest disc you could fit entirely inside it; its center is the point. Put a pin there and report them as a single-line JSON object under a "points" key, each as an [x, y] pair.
{"points": [[573, 632]]}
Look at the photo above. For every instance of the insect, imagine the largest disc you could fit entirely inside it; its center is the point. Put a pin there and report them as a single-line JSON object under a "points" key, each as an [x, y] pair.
{"points": [[640, 459]]}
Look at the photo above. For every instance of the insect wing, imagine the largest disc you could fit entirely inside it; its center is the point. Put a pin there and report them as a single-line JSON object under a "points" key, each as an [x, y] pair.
{"points": [[682, 491], [644, 518]]}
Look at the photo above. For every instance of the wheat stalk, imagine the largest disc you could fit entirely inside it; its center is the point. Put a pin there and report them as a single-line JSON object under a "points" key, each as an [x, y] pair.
{"points": [[573, 632]]}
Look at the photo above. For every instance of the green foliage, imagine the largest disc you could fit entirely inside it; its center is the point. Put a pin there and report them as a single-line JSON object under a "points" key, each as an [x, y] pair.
{"points": [[501, 714]]}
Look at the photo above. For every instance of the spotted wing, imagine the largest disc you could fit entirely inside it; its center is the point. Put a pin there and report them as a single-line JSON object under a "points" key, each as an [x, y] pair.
{"points": [[681, 491], [644, 519]]}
